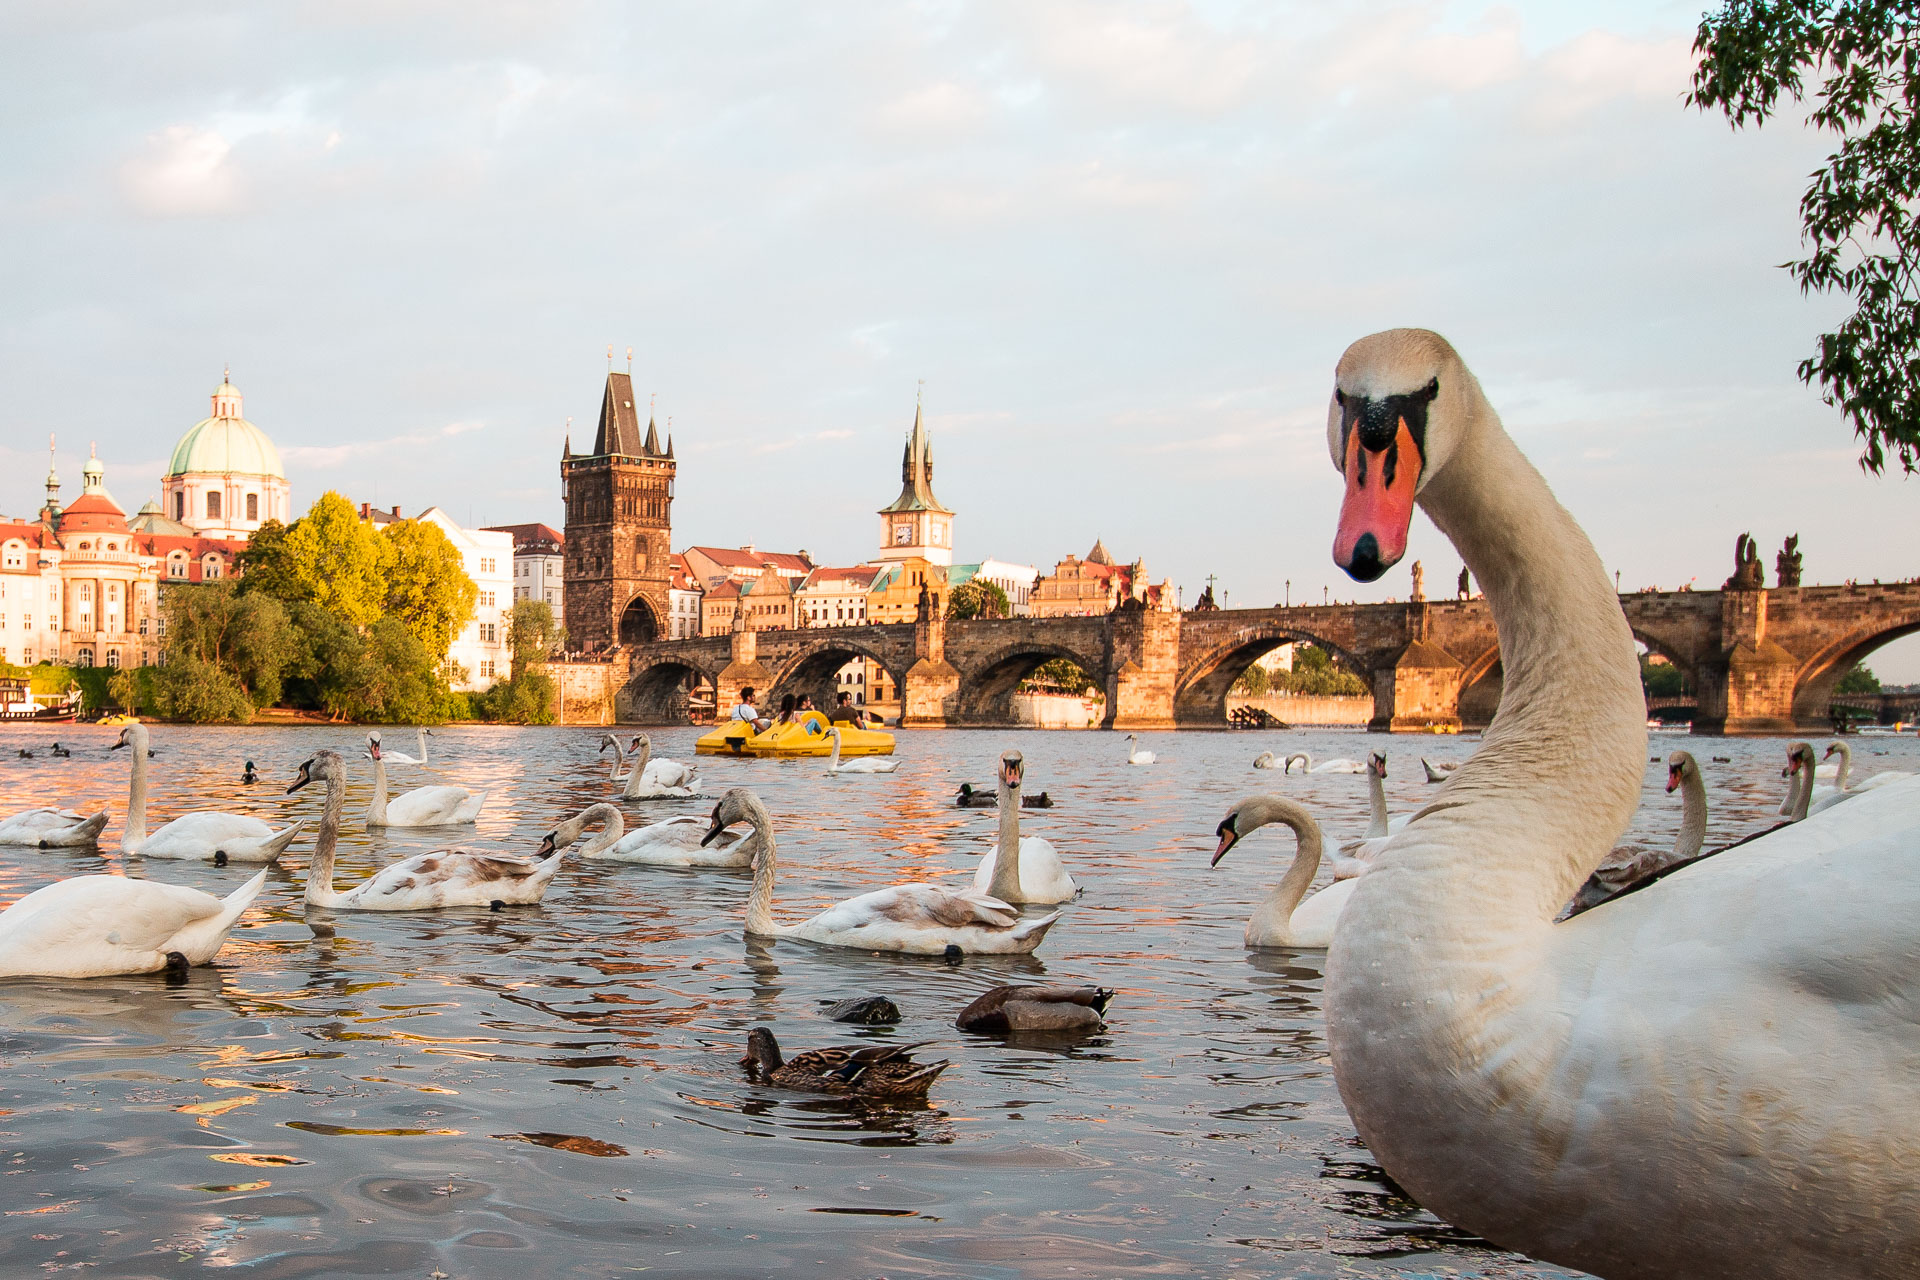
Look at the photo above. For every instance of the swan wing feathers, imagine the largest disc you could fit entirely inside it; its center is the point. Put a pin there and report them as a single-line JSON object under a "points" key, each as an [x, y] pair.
{"points": [[921, 906], [453, 874], [667, 773], [425, 806], [35, 825], [210, 826], [131, 915]]}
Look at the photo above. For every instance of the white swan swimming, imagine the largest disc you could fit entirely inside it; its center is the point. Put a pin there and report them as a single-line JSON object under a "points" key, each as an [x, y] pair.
{"points": [[647, 778], [859, 764], [1283, 920], [401, 757], [206, 835], [1708, 1077], [1438, 770], [1615, 876], [1266, 760], [96, 926], [436, 806], [922, 919], [1037, 874], [442, 878], [1355, 856], [1843, 784], [1135, 755], [51, 828], [677, 842], [1343, 764]]}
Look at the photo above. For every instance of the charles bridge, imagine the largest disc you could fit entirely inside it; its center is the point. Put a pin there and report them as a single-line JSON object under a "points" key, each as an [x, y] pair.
{"points": [[1760, 660]]}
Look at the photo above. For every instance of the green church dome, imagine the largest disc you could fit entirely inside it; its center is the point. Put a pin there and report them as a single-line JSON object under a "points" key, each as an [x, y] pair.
{"points": [[226, 443]]}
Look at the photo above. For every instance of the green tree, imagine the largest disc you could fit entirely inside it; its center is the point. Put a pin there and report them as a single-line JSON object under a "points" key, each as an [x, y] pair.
{"points": [[123, 686], [1253, 682], [405, 685], [265, 566], [1315, 672], [533, 633], [978, 598], [1858, 680], [202, 693], [427, 585], [1858, 220], [249, 637], [331, 671], [336, 560], [1661, 679], [529, 695], [1062, 674]]}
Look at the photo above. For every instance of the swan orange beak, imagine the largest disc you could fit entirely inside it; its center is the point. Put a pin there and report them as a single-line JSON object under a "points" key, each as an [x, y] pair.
{"points": [[1228, 838], [1673, 779], [546, 846], [1379, 504]]}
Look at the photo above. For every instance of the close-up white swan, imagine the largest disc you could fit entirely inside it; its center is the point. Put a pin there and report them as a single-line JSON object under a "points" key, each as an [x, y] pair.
{"points": [[52, 829], [1284, 920], [1355, 856], [96, 926], [206, 835], [1709, 1077], [676, 842], [442, 878], [434, 806], [922, 919], [1037, 874], [1341, 764], [646, 777], [859, 764], [401, 757], [1135, 755]]}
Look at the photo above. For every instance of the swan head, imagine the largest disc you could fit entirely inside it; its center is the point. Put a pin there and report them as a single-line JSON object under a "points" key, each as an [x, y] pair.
{"points": [[1377, 764], [1013, 769], [373, 745], [568, 832], [1799, 756], [608, 740], [134, 735], [1250, 815], [640, 740], [1398, 400], [1679, 765], [321, 766], [733, 807]]}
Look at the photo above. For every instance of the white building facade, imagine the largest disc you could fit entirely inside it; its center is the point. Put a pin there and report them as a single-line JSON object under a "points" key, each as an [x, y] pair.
{"points": [[481, 645]]}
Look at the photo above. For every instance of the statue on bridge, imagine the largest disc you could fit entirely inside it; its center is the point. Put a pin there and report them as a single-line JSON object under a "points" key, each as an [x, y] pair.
{"points": [[1419, 583], [1464, 588], [1786, 565], [1748, 573]]}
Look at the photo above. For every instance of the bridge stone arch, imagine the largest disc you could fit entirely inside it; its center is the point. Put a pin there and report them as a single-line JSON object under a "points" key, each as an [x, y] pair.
{"points": [[812, 666], [656, 688], [1815, 680], [640, 621], [1200, 692], [1482, 681], [988, 683]]}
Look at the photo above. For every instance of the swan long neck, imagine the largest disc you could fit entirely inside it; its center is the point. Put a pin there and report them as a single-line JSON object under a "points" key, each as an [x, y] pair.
{"points": [[1845, 771], [377, 806], [613, 825], [135, 833], [1693, 815], [1377, 802], [320, 870], [1803, 773], [1005, 884], [636, 769], [833, 766], [1559, 773], [421, 734], [1279, 907], [760, 846], [619, 756]]}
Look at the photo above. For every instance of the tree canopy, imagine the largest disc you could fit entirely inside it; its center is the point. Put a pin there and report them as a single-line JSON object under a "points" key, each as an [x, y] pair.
{"points": [[978, 598], [1858, 214], [337, 560], [427, 583]]}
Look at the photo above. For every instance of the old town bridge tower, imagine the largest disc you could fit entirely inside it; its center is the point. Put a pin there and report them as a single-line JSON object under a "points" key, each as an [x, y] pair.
{"points": [[619, 528]]}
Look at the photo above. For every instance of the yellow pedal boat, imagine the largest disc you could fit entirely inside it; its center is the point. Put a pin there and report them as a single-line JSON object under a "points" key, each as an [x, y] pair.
{"points": [[806, 736]]}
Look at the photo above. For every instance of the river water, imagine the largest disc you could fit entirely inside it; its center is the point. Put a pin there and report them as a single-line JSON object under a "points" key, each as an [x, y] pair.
{"points": [[554, 1090]]}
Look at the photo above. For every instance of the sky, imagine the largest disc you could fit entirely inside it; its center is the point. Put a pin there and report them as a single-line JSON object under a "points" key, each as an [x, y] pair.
{"points": [[1122, 245]]}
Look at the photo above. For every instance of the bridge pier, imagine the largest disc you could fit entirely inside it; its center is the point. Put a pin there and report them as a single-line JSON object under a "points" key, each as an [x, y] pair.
{"points": [[1748, 688], [930, 690], [743, 670], [1143, 665], [1419, 692]]}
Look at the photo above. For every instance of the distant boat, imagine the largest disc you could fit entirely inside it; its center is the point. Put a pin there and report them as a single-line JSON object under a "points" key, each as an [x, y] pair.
{"points": [[17, 703]]}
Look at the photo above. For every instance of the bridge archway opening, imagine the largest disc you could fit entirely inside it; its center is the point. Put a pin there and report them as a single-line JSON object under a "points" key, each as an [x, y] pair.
{"points": [[666, 693], [639, 624], [1318, 668], [1056, 684], [1669, 686], [835, 667], [1820, 678], [1480, 690]]}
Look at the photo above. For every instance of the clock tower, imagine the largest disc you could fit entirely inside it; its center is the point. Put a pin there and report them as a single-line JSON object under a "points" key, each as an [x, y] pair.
{"points": [[914, 526]]}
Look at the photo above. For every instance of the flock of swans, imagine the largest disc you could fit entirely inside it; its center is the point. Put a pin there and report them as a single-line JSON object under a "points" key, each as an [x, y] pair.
{"points": [[1707, 1068]]}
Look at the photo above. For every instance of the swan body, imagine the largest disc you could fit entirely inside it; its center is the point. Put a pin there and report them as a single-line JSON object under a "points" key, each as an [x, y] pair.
{"points": [[95, 926], [1266, 760], [676, 842], [401, 757], [647, 778], [1135, 755], [1438, 770], [206, 835], [442, 878], [860, 764], [1343, 764], [1284, 920], [1354, 857], [1711, 1077], [437, 806], [1036, 874], [1843, 788], [52, 829], [920, 919]]}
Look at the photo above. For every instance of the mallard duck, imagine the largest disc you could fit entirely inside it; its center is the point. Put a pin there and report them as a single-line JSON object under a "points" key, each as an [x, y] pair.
{"points": [[25, 754], [971, 799], [248, 775], [60, 751], [869, 1071], [1017, 1008]]}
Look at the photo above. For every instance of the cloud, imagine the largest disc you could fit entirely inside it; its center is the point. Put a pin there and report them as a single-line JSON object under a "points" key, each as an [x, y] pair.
{"points": [[325, 457], [183, 171]]}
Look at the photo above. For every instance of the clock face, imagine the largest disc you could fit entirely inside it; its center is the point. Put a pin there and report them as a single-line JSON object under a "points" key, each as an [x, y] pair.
{"points": [[902, 535]]}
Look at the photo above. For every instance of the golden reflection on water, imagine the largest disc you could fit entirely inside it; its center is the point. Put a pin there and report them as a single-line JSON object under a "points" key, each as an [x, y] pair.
{"points": [[429, 1089]]}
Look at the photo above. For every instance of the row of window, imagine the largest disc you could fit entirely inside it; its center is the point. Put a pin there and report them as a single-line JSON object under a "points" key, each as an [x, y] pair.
{"points": [[213, 505]]}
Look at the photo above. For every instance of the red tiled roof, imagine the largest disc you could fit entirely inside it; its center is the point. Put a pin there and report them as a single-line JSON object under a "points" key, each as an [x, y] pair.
{"points": [[859, 577], [728, 590], [93, 513], [528, 533], [740, 558]]}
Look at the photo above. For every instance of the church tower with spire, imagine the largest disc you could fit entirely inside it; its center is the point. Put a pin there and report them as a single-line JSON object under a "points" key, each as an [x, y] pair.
{"points": [[619, 527], [914, 526]]}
